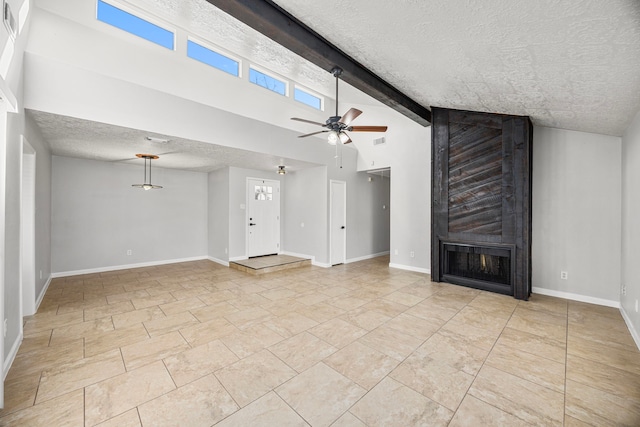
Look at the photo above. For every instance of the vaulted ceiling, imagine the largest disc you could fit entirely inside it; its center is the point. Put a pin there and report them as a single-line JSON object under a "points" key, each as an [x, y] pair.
{"points": [[571, 64], [567, 64]]}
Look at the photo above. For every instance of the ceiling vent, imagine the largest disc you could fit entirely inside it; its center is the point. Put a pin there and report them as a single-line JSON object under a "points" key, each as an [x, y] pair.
{"points": [[379, 141]]}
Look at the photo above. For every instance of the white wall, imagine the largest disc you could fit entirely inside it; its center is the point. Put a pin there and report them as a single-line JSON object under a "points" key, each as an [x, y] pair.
{"points": [[218, 214], [15, 126], [10, 144], [411, 201], [631, 226], [305, 202], [68, 32], [576, 225], [97, 215]]}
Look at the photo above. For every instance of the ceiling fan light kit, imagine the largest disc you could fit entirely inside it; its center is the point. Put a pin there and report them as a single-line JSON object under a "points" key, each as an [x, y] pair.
{"points": [[336, 126], [147, 185], [281, 170]]}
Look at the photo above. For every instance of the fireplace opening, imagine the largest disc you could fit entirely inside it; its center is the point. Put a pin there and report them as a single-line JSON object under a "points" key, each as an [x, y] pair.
{"points": [[482, 267]]}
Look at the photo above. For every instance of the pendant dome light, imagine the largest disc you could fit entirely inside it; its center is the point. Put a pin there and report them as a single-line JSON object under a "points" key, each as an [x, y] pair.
{"points": [[147, 185]]}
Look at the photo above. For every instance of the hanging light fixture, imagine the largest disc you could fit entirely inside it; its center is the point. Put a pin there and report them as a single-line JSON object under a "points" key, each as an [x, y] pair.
{"points": [[147, 185], [281, 170]]}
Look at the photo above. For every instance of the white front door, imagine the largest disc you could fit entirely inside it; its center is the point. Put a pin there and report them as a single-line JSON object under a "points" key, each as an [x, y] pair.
{"points": [[263, 217], [338, 222]]}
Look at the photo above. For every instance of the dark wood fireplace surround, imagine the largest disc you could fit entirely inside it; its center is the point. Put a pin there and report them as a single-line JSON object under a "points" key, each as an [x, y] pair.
{"points": [[481, 210]]}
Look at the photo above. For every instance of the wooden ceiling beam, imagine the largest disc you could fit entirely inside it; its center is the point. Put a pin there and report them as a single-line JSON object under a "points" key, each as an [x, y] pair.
{"points": [[274, 22]]}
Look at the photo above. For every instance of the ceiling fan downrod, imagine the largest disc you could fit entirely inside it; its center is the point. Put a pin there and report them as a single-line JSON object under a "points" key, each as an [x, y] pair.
{"points": [[337, 72]]}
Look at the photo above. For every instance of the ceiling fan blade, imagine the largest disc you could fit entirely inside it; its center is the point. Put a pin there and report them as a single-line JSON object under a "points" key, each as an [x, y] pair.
{"points": [[313, 133], [307, 121], [350, 115], [368, 128]]}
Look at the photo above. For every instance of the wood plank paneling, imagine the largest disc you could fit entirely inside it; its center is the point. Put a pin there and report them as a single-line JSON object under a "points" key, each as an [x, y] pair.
{"points": [[475, 179]]}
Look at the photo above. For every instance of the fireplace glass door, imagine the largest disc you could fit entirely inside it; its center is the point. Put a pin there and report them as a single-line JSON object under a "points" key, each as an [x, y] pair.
{"points": [[482, 267]]}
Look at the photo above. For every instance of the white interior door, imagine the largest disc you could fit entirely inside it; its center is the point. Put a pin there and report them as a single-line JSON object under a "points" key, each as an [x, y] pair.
{"points": [[263, 217], [338, 222]]}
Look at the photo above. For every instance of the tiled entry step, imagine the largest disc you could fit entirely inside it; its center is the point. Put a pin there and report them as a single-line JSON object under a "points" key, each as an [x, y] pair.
{"points": [[269, 264]]}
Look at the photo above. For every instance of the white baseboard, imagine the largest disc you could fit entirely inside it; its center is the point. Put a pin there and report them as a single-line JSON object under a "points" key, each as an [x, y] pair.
{"points": [[11, 356], [321, 264], [576, 297], [362, 258], [410, 268], [125, 267], [312, 258], [632, 329], [44, 291], [218, 261], [237, 258]]}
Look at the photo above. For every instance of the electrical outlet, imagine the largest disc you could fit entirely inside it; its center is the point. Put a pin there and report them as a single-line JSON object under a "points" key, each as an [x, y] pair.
{"points": [[412, 254], [564, 275], [623, 290], [395, 252], [41, 274], [129, 252], [5, 327]]}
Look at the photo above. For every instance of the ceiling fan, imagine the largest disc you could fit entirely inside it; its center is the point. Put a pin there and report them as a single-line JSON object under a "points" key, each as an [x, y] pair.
{"points": [[337, 126]]}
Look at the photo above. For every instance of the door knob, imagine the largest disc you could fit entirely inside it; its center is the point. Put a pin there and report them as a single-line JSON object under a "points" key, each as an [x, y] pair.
{"points": [[251, 223]]}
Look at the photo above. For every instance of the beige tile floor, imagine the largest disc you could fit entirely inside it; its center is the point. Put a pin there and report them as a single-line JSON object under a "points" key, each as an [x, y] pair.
{"points": [[198, 344]]}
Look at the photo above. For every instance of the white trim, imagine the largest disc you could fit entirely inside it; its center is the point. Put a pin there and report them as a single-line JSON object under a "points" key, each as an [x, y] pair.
{"points": [[216, 49], [311, 257], [7, 95], [362, 258], [238, 258], [576, 297], [308, 92], [127, 266], [271, 74], [410, 268], [143, 15], [218, 261], [42, 293], [11, 356], [632, 329], [320, 264]]}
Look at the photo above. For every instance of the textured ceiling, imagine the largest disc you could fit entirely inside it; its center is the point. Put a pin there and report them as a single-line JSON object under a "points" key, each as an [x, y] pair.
{"points": [[72, 137], [572, 64], [201, 18]]}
